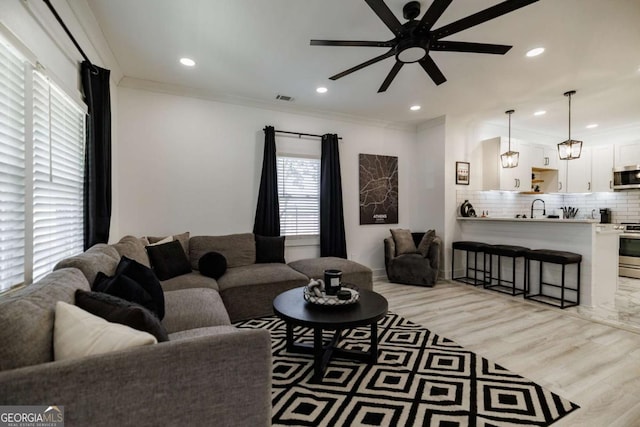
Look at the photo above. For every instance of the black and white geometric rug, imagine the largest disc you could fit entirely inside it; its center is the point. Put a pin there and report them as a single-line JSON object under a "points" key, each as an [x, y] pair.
{"points": [[421, 379]]}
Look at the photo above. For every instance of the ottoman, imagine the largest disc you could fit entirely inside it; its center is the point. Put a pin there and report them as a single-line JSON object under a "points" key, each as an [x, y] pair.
{"points": [[352, 272]]}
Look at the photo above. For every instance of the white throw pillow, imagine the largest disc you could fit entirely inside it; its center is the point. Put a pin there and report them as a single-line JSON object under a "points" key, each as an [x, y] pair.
{"points": [[163, 241], [78, 333]]}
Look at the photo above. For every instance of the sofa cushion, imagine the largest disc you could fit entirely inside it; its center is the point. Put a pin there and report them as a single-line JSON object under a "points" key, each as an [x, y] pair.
{"points": [[117, 310], [269, 249], [132, 247], [78, 333], [194, 308], [212, 264], [99, 258], [206, 331], [168, 260], [27, 317], [352, 272], [238, 249], [182, 238], [404, 241], [189, 280], [248, 291], [133, 282]]}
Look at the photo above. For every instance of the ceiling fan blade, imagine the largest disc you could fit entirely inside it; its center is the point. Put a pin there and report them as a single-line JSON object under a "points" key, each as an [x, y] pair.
{"points": [[451, 46], [432, 69], [434, 13], [364, 64], [480, 17], [392, 75], [350, 43], [385, 14]]}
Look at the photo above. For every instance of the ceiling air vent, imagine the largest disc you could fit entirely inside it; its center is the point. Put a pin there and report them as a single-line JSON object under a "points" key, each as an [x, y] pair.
{"points": [[284, 98]]}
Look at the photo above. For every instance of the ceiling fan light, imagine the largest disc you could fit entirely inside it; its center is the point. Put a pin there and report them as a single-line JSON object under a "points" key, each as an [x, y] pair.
{"points": [[411, 54], [510, 159]]}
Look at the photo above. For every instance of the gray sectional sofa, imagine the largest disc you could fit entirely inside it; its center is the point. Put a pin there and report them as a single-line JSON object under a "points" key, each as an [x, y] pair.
{"points": [[209, 373]]}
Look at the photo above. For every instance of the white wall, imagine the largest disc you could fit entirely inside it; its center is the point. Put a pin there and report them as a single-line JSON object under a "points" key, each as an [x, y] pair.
{"points": [[187, 164]]}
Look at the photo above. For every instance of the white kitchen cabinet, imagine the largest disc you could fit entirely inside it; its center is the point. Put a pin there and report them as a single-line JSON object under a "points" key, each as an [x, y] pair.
{"points": [[562, 175], [495, 177], [550, 158], [537, 156], [627, 154], [602, 168], [579, 173]]}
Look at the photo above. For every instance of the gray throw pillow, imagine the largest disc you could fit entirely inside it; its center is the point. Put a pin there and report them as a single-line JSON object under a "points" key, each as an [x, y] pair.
{"points": [[425, 243], [404, 241]]}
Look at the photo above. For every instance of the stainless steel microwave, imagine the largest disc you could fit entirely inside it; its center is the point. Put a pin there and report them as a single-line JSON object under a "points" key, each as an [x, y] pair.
{"points": [[626, 178]]}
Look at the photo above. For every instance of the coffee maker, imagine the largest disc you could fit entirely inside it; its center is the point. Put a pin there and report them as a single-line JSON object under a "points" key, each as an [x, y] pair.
{"points": [[605, 216]]}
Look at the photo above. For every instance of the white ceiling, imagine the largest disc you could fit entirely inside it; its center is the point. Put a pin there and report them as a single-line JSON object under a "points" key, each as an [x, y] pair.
{"points": [[256, 49]]}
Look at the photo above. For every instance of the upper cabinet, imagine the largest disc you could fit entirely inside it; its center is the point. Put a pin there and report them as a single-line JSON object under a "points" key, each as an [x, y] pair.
{"points": [[627, 154], [579, 173], [602, 168], [495, 177]]}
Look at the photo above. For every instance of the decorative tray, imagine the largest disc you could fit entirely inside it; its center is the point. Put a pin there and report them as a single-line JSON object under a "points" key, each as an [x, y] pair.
{"points": [[332, 300]]}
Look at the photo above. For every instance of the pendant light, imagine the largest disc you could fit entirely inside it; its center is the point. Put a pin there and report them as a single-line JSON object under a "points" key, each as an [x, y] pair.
{"points": [[570, 149], [509, 158]]}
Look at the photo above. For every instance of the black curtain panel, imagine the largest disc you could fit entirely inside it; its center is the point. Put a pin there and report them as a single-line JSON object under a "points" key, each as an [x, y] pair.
{"points": [[97, 174], [267, 222], [332, 237]]}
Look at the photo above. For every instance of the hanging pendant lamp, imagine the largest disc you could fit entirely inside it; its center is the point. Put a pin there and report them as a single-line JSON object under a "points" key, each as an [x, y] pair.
{"points": [[510, 158], [570, 149]]}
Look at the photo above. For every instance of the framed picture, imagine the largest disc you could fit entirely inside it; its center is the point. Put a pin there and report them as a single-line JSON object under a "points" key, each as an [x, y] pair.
{"points": [[378, 189], [462, 173]]}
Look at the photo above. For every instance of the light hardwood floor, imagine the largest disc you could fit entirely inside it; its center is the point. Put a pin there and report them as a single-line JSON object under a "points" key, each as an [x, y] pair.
{"points": [[594, 365]]}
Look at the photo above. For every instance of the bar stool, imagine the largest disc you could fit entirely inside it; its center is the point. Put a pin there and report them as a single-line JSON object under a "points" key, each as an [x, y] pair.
{"points": [[553, 257], [513, 252], [476, 248]]}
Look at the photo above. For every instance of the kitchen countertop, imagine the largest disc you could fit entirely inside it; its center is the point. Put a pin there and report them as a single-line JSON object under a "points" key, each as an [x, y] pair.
{"points": [[551, 220]]}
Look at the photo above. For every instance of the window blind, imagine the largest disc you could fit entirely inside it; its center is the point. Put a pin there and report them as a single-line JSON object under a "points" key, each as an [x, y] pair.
{"points": [[299, 195], [12, 168], [58, 167]]}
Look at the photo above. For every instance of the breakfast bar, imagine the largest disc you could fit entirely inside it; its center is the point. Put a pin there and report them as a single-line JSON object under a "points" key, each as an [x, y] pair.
{"points": [[597, 243]]}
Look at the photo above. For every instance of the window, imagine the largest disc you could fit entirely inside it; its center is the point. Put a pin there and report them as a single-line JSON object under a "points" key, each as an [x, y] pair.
{"points": [[12, 168], [42, 137], [299, 195]]}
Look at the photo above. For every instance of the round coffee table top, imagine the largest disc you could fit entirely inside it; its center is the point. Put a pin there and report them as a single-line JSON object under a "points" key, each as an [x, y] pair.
{"points": [[292, 307]]}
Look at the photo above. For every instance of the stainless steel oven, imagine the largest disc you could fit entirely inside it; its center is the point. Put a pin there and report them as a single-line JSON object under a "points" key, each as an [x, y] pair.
{"points": [[629, 259]]}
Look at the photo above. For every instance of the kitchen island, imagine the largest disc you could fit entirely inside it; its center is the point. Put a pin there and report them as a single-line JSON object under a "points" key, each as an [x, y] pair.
{"points": [[597, 243]]}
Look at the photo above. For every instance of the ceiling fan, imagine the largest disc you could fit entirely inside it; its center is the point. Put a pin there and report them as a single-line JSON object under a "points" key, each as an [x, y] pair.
{"points": [[415, 39]]}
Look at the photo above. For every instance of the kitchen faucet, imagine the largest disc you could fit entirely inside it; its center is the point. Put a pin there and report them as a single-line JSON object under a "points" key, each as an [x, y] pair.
{"points": [[544, 210]]}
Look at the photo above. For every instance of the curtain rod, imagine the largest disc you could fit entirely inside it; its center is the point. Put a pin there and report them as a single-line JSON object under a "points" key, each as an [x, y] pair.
{"points": [[94, 70], [300, 134]]}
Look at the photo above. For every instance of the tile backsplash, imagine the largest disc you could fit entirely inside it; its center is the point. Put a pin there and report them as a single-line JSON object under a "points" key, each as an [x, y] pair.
{"points": [[624, 205]]}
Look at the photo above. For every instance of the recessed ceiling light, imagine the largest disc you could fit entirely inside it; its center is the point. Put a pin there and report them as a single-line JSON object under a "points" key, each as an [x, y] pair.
{"points": [[321, 90], [535, 52], [592, 126], [187, 62], [415, 107], [540, 113]]}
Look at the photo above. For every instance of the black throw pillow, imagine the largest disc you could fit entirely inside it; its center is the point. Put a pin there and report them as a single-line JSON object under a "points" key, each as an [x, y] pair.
{"points": [[269, 249], [168, 260], [117, 310], [133, 282], [212, 264]]}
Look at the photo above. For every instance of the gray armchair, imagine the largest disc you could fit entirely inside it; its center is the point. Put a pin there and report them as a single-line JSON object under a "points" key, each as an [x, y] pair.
{"points": [[413, 269]]}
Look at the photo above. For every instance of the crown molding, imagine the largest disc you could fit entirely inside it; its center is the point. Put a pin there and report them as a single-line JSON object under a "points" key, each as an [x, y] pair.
{"points": [[209, 95]]}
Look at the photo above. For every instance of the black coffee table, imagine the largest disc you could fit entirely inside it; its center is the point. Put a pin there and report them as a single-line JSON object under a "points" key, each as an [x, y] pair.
{"points": [[295, 311]]}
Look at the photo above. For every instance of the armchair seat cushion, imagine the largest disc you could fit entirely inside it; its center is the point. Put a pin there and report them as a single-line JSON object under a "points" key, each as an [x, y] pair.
{"points": [[412, 269]]}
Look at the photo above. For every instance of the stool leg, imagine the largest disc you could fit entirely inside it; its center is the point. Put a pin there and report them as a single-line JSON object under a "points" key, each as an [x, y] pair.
{"points": [[453, 257], [513, 276], [562, 288], [578, 287]]}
